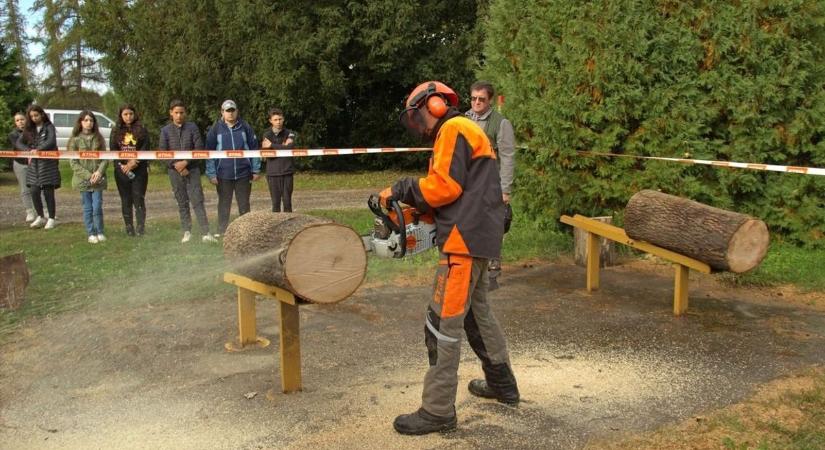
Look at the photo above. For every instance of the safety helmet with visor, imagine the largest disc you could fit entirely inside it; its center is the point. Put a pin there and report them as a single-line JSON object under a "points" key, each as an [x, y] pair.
{"points": [[436, 97]]}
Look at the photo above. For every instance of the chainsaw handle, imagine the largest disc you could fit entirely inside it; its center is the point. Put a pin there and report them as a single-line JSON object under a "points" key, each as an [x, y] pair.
{"points": [[374, 203], [402, 227]]}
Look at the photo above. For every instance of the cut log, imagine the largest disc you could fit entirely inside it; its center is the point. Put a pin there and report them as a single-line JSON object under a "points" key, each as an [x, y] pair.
{"points": [[607, 251], [314, 258], [724, 240], [14, 277]]}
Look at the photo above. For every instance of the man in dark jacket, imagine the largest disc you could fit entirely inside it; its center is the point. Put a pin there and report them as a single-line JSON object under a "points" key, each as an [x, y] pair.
{"points": [[279, 170], [184, 175], [463, 190], [232, 175]]}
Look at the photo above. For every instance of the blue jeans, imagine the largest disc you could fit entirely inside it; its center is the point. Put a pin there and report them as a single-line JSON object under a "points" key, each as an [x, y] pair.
{"points": [[92, 212]]}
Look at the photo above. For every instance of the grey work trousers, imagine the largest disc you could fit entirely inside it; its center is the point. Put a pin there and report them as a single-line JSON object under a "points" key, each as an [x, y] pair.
{"points": [[188, 191], [459, 302], [20, 171]]}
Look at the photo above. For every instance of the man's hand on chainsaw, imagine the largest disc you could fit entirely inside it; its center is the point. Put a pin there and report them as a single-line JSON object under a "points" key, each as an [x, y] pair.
{"points": [[385, 196]]}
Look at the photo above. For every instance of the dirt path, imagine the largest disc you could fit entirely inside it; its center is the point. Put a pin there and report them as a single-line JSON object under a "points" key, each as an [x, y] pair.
{"points": [[161, 204], [153, 373]]}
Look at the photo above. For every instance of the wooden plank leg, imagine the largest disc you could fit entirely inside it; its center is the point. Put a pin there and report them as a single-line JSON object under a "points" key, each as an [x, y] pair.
{"points": [[680, 290], [592, 261], [248, 334], [290, 348]]}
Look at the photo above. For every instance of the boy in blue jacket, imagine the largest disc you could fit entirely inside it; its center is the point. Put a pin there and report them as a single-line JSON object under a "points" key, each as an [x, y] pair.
{"points": [[232, 175]]}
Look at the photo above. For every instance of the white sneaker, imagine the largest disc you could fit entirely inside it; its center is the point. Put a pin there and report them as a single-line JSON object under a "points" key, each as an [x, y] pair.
{"points": [[38, 222], [208, 238], [101, 238], [93, 239], [51, 223], [186, 236], [30, 215]]}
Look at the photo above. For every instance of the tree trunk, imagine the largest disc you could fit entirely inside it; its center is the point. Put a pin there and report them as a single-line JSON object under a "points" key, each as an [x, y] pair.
{"points": [[722, 239], [607, 251], [314, 258], [14, 277]]}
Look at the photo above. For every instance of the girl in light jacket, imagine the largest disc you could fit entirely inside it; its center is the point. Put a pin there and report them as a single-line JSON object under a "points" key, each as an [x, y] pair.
{"points": [[89, 174]]}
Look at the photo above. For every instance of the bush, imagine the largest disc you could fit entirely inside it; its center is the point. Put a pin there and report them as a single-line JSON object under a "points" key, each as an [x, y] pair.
{"points": [[738, 81]]}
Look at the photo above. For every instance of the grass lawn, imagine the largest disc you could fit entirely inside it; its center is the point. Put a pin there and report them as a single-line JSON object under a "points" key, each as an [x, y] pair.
{"points": [[69, 273], [788, 413]]}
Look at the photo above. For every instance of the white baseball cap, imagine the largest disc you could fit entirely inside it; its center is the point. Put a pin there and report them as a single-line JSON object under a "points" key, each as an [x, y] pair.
{"points": [[228, 104]]}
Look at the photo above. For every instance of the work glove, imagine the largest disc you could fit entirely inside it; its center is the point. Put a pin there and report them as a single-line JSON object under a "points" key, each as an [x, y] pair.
{"points": [[384, 197]]}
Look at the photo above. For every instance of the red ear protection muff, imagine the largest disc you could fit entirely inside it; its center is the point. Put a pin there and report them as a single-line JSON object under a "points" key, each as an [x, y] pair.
{"points": [[436, 105]]}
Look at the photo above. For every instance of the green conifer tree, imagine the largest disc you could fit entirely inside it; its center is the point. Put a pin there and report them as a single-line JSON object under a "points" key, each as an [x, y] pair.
{"points": [[719, 80]]}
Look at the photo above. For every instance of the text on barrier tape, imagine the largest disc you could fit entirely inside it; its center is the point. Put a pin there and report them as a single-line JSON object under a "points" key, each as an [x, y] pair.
{"points": [[206, 154]]}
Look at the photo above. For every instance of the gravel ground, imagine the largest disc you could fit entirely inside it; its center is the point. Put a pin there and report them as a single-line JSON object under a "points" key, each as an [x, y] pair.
{"points": [[161, 204], [153, 373]]}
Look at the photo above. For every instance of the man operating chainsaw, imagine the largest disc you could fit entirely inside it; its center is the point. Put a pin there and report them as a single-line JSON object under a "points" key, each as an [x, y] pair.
{"points": [[463, 192]]}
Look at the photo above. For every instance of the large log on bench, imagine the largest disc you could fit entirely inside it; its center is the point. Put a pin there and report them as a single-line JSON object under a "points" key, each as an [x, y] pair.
{"points": [[722, 239], [314, 258]]}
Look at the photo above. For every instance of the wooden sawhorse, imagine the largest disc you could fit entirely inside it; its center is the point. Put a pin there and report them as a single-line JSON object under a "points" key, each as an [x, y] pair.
{"points": [[290, 326], [682, 263]]}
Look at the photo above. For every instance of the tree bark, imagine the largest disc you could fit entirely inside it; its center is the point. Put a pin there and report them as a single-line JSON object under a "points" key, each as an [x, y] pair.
{"points": [[607, 251], [314, 258], [724, 240], [14, 277]]}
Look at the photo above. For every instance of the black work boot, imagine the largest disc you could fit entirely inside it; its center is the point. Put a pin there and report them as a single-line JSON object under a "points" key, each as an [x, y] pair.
{"points": [[480, 388], [130, 230], [422, 422]]}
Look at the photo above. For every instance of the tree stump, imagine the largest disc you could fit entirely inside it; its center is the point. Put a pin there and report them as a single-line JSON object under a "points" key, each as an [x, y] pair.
{"points": [[314, 258], [724, 240], [14, 277], [607, 251]]}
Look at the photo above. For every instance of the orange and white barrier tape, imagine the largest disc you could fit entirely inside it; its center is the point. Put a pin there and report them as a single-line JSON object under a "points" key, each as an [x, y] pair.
{"points": [[207, 154], [738, 165], [300, 152]]}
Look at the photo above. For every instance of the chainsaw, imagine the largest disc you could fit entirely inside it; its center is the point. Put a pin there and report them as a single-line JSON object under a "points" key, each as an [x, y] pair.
{"points": [[400, 231]]}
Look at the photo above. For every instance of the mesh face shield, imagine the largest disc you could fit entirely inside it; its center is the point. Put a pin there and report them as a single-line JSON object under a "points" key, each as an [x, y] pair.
{"points": [[412, 119]]}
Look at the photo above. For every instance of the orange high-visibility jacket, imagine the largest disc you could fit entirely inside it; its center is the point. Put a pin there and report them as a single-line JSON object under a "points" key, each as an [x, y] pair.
{"points": [[463, 190]]}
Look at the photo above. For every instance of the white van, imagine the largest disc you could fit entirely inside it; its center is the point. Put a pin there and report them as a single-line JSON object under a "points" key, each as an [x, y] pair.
{"points": [[64, 120]]}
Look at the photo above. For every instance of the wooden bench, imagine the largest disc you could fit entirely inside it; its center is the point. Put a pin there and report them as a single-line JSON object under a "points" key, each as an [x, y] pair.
{"points": [[596, 229], [289, 326]]}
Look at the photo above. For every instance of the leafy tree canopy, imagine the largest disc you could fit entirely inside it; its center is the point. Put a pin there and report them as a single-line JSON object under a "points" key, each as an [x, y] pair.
{"points": [[339, 70]]}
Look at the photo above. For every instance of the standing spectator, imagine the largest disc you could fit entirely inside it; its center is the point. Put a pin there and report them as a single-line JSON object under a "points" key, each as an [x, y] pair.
{"points": [[232, 175], [279, 170], [131, 175], [89, 174], [500, 132], [43, 175], [21, 166], [183, 174]]}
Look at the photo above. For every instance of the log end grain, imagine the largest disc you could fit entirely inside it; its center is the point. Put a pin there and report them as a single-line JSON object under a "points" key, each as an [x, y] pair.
{"points": [[326, 263], [748, 246], [314, 258]]}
